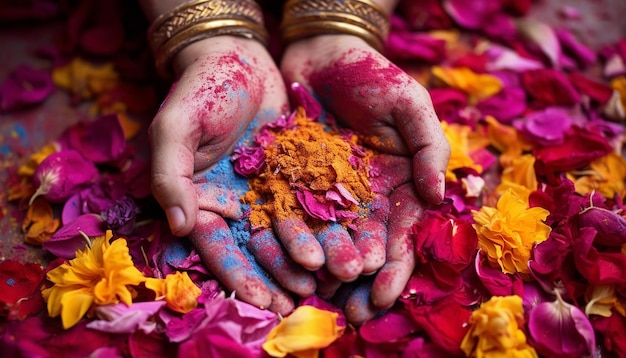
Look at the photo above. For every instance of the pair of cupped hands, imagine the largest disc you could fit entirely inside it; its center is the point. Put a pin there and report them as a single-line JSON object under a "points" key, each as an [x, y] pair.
{"points": [[226, 83]]}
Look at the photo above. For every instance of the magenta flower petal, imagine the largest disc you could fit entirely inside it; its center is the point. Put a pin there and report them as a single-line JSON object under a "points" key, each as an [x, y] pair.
{"points": [[448, 103], [120, 318], [87, 138], [543, 36], [503, 58], [598, 267], [471, 14], [497, 282], [62, 174], [610, 226], [582, 54], [505, 105], [415, 46], [316, 208], [546, 127], [25, 86], [389, 328], [121, 216], [248, 161], [68, 238], [560, 329]]}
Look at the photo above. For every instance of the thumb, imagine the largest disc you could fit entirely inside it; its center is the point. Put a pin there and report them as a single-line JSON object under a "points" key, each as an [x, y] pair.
{"points": [[173, 147]]}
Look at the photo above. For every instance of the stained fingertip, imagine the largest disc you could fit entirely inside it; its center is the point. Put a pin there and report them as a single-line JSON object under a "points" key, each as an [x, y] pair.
{"points": [[370, 240], [282, 303], [271, 256], [359, 307], [299, 242], [389, 284], [342, 258]]}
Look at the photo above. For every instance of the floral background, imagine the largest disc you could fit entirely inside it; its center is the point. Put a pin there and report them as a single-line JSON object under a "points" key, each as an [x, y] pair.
{"points": [[526, 256]]}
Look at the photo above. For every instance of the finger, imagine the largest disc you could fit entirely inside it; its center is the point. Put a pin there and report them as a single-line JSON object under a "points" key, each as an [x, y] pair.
{"points": [[342, 258], [271, 256], [173, 149], [417, 121], [327, 283], [214, 242], [219, 190], [405, 211], [282, 302], [299, 242], [388, 172], [370, 236], [359, 307]]}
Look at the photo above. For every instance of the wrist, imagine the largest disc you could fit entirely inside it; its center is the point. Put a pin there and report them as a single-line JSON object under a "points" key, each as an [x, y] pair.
{"points": [[214, 46]]}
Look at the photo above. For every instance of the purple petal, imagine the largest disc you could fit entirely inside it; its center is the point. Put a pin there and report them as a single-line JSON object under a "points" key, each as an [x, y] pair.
{"points": [[25, 86], [505, 105], [471, 14], [547, 127], [560, 329], [68, 239], [582, 54], [87, 138], [62, 174], [543, 36], [248, 161], [120, 318]]}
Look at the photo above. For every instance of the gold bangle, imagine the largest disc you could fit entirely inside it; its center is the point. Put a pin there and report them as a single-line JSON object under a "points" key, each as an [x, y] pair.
{"points": [[200, 19], [362, 18]]}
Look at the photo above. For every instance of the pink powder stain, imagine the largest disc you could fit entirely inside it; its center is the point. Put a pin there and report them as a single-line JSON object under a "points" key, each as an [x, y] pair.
{"points": [[364, 74]]}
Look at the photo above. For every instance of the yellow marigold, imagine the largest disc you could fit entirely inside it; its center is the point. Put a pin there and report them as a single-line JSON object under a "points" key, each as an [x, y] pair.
{"points": [[477, 86], [506, 140], [180, 293], [85, 79], [457, 135], [619, 85], [28, 168], [519, 176], [303, 333], [507, 233], [606, 176], [100, 274], [495, 330]]}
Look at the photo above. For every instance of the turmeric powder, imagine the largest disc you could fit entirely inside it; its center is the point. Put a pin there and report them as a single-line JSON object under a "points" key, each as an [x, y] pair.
{"points": [[307, 162]]}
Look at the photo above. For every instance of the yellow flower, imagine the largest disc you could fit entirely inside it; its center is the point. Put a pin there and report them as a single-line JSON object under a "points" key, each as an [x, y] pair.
{"points": [[181, 294], [477, 86], [506, 140], [28, 168], [619, 85], [84, 79], [519, 176], [98, 275], [507, 233], [457, 135], [606, 176], [495, 330], [303, 333]]}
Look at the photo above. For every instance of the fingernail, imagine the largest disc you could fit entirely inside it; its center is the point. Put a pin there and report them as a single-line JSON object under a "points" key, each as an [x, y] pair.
{"points": [[176, 218], [442, 186]]}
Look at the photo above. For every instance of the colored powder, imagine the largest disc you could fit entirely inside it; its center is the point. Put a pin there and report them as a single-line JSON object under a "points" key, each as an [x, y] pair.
{"points": [[310, 156]]}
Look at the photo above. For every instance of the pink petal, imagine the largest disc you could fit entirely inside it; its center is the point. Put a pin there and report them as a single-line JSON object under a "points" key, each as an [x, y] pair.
{"points": [[391, 327], [62, 174], [120, 318], [505, 105], [543, 36], [87, 138], [560, 329], [25, 86], [248, 161], [68, 239], [318, 209], [471, 14], [503, 58], [546, 127], [415, 46], [582, 54], [610, 226]]}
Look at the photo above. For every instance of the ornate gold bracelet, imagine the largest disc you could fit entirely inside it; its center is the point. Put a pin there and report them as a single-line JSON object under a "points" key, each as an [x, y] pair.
{"points": [[200, 19], [362, 18]]}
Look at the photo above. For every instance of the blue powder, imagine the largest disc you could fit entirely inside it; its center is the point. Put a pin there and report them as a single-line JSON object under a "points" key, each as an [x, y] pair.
{"points": [[11, 281], [176, 252]]}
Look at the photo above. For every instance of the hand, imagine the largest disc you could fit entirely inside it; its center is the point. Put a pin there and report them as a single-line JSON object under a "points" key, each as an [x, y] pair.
{"points": [[377, 99], [224, 83]]}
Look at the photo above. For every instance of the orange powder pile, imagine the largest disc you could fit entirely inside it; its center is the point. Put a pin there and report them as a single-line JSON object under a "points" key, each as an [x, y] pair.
{"points": [[307, 156]]}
